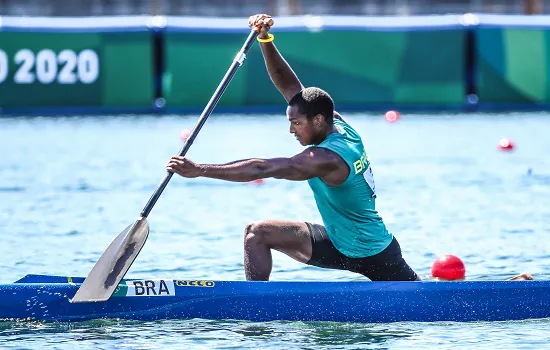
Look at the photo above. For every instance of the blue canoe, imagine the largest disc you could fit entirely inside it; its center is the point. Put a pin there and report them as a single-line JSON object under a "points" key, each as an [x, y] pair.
{"points": [[47, 298]]}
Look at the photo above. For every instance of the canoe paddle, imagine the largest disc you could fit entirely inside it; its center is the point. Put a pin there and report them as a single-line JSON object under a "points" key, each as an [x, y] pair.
{"points": [[121, 253]]}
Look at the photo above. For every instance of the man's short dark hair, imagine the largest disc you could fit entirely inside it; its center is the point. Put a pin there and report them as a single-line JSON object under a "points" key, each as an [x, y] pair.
{"points": [[312, 101]]}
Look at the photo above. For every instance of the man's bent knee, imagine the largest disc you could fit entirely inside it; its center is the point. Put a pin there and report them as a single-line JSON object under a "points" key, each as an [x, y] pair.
{"points": [[290, 238], [256, 232]]}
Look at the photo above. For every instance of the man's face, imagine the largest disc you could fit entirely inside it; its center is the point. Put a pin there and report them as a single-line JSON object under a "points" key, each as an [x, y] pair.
{"points": [[303, 129]]}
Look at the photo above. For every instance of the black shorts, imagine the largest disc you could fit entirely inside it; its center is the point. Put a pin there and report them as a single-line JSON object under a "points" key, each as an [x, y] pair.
{"points": [[388, 265]]}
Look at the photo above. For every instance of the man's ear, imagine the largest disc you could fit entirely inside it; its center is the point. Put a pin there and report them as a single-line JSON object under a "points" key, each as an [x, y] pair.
{"points": [[318, 120]]}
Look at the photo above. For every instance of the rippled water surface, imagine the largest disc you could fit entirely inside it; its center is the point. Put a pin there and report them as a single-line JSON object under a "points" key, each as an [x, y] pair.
{"points": [[68, 186]]}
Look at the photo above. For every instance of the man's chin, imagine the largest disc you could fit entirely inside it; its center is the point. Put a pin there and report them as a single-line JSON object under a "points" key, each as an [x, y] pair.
{"points": [[301, 141]]}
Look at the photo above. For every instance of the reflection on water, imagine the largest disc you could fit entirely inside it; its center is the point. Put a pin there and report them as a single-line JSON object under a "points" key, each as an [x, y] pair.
{"points": [[315, 334], [274, 335], [350, 333]]}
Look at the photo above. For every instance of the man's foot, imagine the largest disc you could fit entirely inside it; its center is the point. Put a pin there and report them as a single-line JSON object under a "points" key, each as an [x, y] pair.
{"points": [[524, 276]]}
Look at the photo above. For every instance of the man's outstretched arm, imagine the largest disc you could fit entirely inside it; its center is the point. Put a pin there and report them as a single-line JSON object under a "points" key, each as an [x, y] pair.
{"points": [[282, 76], [312, 162]]}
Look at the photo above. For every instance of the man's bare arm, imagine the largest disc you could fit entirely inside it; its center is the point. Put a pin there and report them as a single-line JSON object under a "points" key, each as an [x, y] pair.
{"points": [[280, 72], [312, 162]]}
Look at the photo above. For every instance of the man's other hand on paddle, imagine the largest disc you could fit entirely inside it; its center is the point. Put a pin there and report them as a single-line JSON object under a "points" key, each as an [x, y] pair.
{"points": [[183, 167]]}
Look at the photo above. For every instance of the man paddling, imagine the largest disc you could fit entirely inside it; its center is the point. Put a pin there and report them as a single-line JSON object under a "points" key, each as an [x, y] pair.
{"points": [[354, 237]]}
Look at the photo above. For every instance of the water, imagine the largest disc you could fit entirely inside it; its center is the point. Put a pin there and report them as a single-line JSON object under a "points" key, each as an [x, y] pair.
{"points": [[68, 186]]}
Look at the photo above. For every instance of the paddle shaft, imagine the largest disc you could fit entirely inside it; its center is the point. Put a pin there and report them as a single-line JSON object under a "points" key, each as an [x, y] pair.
{"points": [[237, 62]]}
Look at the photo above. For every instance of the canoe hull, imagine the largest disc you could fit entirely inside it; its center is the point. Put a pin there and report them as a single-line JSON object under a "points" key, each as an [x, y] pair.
{"points": [[367, 302]]}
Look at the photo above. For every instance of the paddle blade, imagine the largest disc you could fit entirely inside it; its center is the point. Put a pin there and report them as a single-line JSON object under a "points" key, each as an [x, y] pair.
{"points": [[113, 264]]}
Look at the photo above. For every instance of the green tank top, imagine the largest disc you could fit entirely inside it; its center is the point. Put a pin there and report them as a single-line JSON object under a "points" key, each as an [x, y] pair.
{"points": [[348, 211]]}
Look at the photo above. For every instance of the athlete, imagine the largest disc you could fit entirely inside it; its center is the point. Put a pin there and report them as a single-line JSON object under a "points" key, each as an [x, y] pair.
{"points": [[353, 237]]}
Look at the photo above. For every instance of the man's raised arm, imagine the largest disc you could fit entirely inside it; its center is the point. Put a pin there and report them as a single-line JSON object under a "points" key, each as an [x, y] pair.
{"points": [[282, 76]]}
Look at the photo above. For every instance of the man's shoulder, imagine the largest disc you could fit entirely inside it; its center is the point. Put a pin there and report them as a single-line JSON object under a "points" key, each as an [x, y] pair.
{"points": [[327, 152], [321, 150]]}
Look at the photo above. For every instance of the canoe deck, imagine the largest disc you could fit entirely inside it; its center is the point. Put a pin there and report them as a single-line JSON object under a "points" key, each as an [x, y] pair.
{"points": [[47, 298]]}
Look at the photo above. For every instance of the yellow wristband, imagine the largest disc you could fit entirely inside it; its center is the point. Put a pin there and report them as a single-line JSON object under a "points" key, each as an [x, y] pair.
{"points": [[269, 39]]}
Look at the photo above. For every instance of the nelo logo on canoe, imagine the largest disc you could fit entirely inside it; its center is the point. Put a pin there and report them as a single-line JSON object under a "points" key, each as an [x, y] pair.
{"points": [[187, 283]]}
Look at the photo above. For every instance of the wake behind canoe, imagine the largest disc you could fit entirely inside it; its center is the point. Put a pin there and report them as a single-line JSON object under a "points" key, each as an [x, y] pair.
{"points": [[47, 298]]}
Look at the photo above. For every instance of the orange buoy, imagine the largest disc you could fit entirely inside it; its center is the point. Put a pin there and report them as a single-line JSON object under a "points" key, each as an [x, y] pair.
{"points": [[448, 267]]}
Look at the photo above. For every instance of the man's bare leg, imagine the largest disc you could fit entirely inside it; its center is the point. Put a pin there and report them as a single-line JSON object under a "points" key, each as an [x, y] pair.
{"points": [[289, 237]]}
